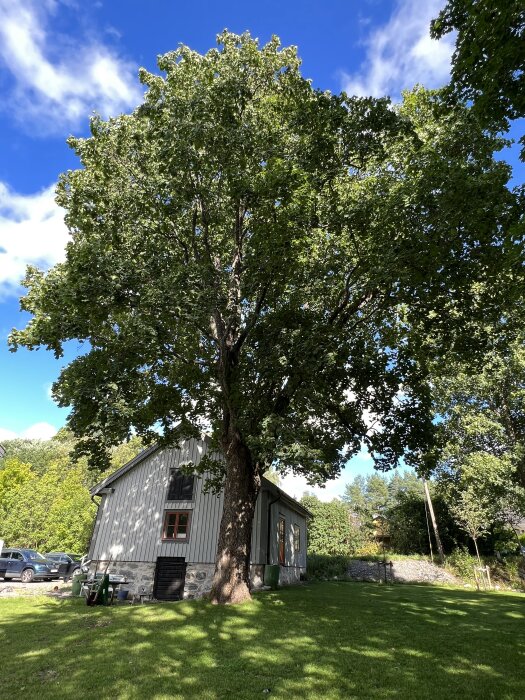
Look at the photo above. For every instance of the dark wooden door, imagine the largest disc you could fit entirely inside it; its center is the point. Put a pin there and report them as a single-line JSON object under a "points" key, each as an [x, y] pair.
{"points": [[170, 574]]}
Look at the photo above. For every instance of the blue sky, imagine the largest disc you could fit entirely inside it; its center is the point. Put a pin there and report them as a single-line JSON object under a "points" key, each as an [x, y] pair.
{"points": [[60, 60]]}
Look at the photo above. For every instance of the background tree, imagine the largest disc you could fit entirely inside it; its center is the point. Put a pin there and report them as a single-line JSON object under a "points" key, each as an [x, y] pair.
{"points": [[399, 499], [472, 514], [330, 530], [482, 427], [368, 499], [488, 66], [44, 501], [47, 511], [270, 262]]}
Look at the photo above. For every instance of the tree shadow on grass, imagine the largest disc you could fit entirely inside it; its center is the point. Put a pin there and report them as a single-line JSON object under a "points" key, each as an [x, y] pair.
{"points": [[329, 640]]}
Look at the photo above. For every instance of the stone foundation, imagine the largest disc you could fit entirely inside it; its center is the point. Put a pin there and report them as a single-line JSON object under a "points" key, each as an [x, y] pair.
{"points": [[289, 575], [139, 574], [199, 577]]}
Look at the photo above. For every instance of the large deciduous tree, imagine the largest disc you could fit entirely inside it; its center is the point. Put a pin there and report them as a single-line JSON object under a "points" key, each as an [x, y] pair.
{"points": [[272, 264]]}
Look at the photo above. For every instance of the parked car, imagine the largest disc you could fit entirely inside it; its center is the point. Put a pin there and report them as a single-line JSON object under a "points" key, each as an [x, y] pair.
{"points": [[68, 564], [27, 565]]}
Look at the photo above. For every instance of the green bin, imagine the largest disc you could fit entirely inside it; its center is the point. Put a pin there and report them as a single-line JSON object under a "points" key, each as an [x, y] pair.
{"points": [[76, 586], [271, 575]]}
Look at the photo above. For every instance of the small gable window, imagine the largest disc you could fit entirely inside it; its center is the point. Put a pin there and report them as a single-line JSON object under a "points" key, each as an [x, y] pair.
{"points": [[176, 525], [180, 487]]}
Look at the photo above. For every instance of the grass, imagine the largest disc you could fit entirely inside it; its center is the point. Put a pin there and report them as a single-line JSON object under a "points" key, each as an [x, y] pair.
{"points": [[320, 641]]}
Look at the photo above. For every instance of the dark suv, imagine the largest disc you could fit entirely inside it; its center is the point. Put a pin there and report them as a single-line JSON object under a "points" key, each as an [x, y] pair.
{"points": [[27, 565], [68, 564]]}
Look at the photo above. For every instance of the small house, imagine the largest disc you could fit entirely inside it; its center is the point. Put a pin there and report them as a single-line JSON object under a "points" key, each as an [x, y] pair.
{"points": [[158, 528]]}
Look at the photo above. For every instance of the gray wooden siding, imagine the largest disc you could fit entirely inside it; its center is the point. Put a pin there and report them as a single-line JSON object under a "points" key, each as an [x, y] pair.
{"points": [[130, 520], [259, 533], [292, 517]]}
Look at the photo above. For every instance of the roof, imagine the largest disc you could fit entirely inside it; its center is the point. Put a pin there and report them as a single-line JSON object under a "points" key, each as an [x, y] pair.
{"points": [[266, 484], [283, 496]]}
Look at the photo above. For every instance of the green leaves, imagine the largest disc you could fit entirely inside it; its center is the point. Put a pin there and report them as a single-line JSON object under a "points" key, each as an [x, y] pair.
{"points": [[488, 65], [251, 255]]}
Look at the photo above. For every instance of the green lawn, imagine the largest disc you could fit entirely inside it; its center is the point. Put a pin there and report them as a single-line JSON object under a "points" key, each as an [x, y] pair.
{"points": [[326, 640]]}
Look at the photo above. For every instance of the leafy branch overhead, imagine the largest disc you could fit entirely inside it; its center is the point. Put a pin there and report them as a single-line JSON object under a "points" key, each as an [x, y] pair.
{"points": [[488, 66], [244, 238]]}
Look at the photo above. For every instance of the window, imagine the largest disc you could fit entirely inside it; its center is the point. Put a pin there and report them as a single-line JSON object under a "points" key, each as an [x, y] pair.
{"points": [[180, 487], [296, 538], [176, 525], [281, 530]]}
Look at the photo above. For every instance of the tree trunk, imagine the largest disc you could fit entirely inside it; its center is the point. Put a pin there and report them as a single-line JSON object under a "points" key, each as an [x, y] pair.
{"points": [[231, 581], [477, 550]]}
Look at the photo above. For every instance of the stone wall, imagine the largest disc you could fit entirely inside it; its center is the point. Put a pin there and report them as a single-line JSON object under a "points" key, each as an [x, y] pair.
{"points": [[141, 575], [199, 577], [402, 571], [289, 575]]}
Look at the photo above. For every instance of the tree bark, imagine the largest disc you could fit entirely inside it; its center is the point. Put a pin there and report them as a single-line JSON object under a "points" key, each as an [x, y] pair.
{"points": [[476, 546], [231, 581]]}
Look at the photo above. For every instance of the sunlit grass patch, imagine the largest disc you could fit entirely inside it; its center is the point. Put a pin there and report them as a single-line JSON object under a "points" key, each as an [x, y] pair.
{"points": [[328, 640]]}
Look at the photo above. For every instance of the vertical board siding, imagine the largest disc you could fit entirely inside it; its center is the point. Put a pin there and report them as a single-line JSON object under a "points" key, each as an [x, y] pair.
{"points": [[292, 517], [130, 520], [258, 550]]}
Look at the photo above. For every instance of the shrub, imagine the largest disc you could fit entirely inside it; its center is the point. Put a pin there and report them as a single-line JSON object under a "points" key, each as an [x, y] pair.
{"points": [[371, 548], [462, 564], [324, 566], [508, 572], [505, 540]]}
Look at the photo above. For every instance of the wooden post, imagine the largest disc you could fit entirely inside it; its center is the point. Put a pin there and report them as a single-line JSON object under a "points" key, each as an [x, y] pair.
{"points": [[434, 522], [487, 570]]}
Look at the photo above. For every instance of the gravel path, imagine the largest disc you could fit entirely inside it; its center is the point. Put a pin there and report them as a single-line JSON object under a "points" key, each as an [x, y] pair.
{"points": [[12, 589]]}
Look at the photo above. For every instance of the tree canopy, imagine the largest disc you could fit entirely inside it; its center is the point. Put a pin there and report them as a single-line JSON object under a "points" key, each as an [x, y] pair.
{"points": [[330, 530], [481, 468], [488, 66], [271, 263], [44, 496]]}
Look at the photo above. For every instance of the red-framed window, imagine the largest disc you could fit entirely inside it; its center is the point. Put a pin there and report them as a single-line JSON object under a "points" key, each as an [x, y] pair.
{"points": [[281, 529], [176, 525]]}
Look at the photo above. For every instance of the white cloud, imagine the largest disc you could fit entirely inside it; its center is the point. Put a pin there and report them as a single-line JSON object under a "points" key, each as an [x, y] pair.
{"points": [[58, 79], [401, 53], [32, 231], [38, 431], [7, 434]]}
